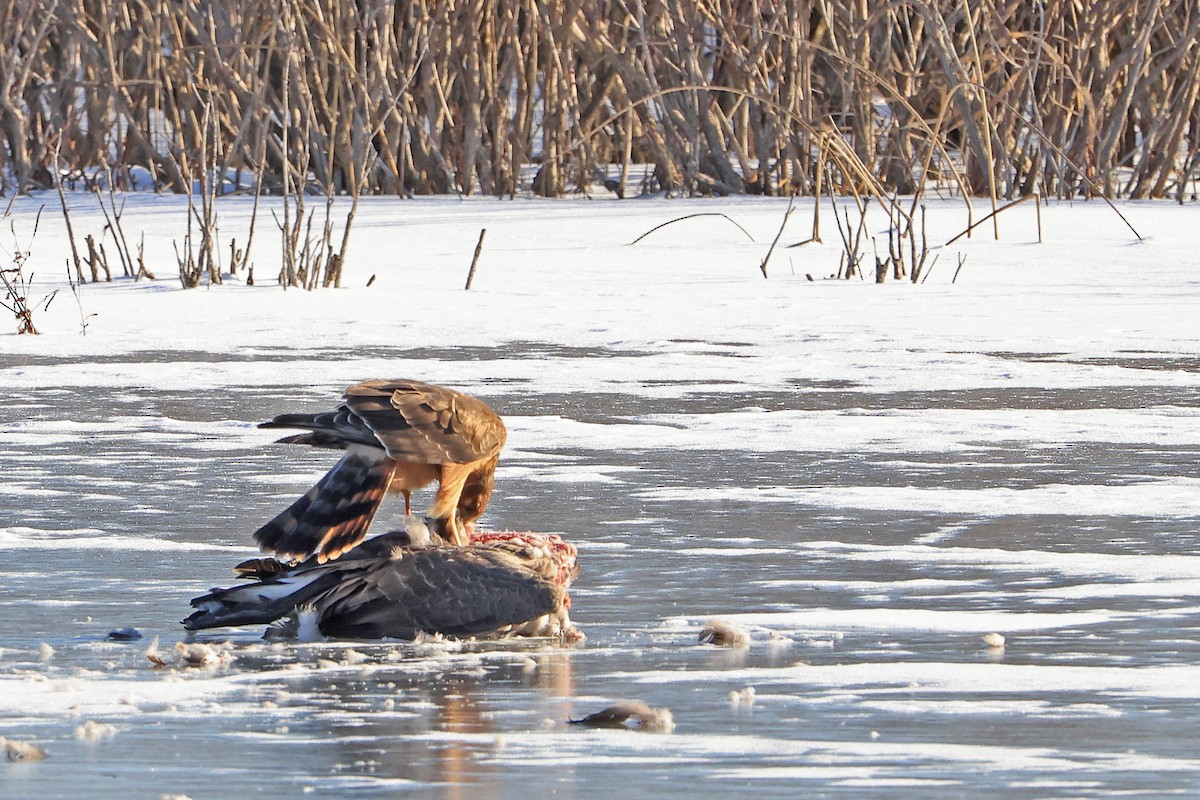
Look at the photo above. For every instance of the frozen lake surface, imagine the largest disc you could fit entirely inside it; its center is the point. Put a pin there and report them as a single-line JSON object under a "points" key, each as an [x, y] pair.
{"points": [[868, 479]]}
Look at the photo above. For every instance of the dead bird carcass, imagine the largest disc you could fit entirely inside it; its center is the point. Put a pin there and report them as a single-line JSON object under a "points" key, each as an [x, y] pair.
{"points": [[499, 585]]}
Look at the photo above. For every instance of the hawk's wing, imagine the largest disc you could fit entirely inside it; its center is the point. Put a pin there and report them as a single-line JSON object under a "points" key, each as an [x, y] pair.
{"points": [[413, 421], [422, 423]]}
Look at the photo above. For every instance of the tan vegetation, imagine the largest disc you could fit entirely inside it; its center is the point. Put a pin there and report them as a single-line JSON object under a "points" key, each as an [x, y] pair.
{"points": [[15, 286], [991, 97]]}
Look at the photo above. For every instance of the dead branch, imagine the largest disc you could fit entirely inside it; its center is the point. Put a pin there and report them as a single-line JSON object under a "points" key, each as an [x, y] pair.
{"points": [[475, 259]]}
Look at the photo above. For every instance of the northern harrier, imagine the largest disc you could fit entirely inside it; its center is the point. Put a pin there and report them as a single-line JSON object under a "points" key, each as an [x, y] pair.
{"points": [[502, 584], [399, 436]]}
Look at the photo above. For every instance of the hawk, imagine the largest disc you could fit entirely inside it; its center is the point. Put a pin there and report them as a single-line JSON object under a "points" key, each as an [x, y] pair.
{"points": [[499, 585], [399, 435]]}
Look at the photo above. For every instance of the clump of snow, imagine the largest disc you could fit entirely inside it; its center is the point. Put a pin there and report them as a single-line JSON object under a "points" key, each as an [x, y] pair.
{"points": [[92, 731], [353, 657], [993, 640]]}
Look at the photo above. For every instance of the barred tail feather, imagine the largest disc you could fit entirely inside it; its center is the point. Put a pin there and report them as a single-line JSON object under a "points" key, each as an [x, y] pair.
{"points": [[332, 516]]}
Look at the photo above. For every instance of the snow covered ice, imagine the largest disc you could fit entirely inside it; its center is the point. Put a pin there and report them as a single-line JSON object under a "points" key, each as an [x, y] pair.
{"points": [[868, 479]]}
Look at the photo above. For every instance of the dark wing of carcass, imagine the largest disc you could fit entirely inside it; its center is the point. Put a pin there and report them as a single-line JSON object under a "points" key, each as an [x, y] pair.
{"points": [[457, 591]]}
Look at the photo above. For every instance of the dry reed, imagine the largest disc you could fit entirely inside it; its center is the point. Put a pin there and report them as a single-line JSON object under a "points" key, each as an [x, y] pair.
{"points": [[996, 98]]}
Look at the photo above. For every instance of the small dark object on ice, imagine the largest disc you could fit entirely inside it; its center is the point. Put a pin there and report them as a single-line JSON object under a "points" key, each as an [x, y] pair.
{"points": [[724, 634], [127, 634], [645, 718]]}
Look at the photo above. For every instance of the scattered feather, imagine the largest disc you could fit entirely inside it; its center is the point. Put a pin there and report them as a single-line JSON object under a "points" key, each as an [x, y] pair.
{"points": [[643, 717], [199, 654], [21, 751], [153, 655], [196, 654], [724, 634]]}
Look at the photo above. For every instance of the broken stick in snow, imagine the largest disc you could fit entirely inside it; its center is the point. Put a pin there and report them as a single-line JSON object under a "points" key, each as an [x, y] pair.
{"points": [[475, 259]]}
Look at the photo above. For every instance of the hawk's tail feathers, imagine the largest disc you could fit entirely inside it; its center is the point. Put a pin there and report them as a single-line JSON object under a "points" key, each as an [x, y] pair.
{"points": [[332, 516]]}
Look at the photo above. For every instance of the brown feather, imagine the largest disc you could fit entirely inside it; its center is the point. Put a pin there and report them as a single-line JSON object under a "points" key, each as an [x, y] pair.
{"points": [[644, 717]]}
